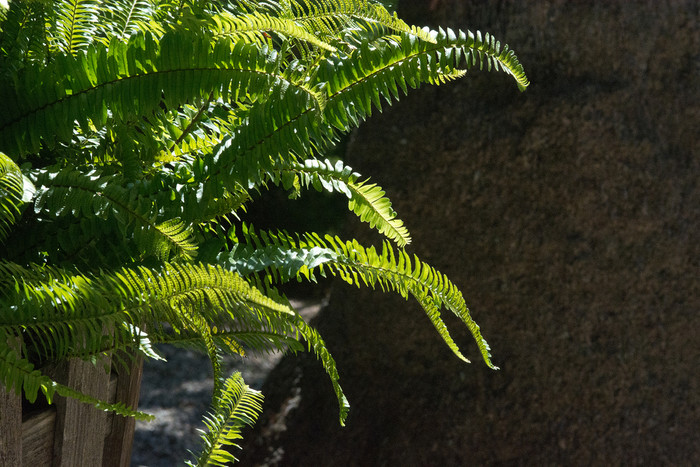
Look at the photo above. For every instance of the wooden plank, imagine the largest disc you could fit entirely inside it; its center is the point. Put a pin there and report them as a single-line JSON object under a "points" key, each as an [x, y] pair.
{"points": [[10, 427], [119, 441], [79, 435], [112, 398], [38, 433], [37, 438], [10, 422]]}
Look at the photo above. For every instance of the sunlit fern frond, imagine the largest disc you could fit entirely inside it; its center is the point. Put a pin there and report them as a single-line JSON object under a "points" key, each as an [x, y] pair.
{"points": [[234, 407], [11, 193], [123, 18], [74, 25], [329, 18], [367, 201], [131, 79], [63, 313], [283, 257], [257, 26]]}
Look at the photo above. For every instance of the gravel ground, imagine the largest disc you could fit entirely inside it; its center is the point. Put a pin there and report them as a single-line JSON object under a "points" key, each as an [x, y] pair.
{"points": [[178, 393]]}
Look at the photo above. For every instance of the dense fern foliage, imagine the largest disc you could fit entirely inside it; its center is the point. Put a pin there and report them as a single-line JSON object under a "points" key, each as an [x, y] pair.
{"points": [[134, 132]]}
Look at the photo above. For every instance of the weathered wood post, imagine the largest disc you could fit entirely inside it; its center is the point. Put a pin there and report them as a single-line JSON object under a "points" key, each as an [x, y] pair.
{"points": [[70, 433]]}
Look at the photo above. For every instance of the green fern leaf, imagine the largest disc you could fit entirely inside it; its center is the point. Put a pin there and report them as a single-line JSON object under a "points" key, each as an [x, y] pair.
{"points": [[367, 201], [236, 406], [253, 28], [370, 204], [374, 74], [124, 18], [132, 79], [75, 23], [11, 194], [94, 195], [330, 18], [22, 37], [393, 271]]}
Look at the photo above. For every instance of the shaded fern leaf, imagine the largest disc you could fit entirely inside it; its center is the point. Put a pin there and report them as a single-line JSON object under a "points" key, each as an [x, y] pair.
{"points": [[124, 18], [266, 142], [95, 195], [23, 36]]}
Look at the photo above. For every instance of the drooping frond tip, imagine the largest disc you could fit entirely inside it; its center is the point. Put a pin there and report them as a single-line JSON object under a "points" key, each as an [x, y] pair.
{"points": [[284, 257], [237, 405]]}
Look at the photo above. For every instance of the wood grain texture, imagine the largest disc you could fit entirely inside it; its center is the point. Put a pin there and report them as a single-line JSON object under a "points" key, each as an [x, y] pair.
{"points": [[120, 437], [80, 432], [10, 416]]}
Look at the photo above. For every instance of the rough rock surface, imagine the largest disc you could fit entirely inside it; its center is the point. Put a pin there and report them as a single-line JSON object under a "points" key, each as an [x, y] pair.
{"points": [[569, 216]]}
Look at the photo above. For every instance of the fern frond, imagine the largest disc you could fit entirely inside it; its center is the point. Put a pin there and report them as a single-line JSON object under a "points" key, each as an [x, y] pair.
{"points": [[486, 52], [370, 204], [62, 314], [256, 338], [195, 131], [74, 25], [331, 17], [236, 406], [353, 84], [124, 18], [284, 257], [374, 74], [23, 36], [271, 137], [183, 295], [67, 312], [318, 346], [133, 79], [11, 194], [254, 26], [367, 201], [95, 195], [156, 295]]}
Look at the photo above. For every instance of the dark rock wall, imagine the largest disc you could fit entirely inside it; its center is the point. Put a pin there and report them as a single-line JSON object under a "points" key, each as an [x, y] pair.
{"points": [[569, 215]]}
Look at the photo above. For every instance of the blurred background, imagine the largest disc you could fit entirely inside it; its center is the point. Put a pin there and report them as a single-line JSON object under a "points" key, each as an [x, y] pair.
{"points": [[569, 216]]}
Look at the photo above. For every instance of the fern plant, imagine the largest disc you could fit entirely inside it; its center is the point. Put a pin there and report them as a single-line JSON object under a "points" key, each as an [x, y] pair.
{"points": [[135, 133]]}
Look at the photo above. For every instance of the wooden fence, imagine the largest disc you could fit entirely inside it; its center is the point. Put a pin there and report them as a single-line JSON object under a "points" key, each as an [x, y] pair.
{"points": [[70, 433]]}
